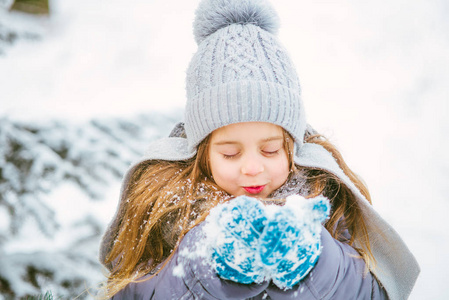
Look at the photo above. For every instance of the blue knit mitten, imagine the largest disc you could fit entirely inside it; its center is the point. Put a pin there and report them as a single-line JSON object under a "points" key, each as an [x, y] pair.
{"points": [[251, 242], [237, 226], [291, 242]]}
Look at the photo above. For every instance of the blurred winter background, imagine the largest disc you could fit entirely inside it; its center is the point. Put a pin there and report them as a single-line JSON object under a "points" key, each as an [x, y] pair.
{"points": [[85, 85]]}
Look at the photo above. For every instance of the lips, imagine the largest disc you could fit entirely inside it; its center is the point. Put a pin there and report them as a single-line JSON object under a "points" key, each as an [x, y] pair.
{"points": [[254, 189]]}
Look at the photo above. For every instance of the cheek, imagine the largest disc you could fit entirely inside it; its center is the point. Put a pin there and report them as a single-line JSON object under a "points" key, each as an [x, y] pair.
{"points": [[225, 177], [281, 170], [221, 170]]}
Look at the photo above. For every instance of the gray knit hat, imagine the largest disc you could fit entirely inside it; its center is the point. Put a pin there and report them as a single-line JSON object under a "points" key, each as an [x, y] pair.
{"points": [[240, 73]]}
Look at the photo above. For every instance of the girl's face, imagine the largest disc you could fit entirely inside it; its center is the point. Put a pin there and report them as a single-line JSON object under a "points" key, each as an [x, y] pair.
{"points": [[248, 158]]}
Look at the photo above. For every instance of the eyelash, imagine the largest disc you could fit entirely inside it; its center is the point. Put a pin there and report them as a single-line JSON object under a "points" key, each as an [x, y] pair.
{"points": [[229, 156], [267, 153], [270, 153]]}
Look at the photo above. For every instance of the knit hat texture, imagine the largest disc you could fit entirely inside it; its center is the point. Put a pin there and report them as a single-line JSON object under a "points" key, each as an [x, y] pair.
{"points": [[240, 72]]}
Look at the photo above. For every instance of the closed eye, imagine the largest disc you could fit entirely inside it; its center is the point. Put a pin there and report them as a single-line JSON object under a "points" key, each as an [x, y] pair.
{"points": [[271, 153], [230, 156]]}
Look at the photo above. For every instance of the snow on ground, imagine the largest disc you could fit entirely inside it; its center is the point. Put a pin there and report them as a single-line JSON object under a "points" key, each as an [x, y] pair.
{"points": [[374, 78]]}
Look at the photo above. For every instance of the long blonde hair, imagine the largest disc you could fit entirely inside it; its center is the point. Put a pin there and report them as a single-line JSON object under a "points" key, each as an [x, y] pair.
{"points": [[164, 200]]}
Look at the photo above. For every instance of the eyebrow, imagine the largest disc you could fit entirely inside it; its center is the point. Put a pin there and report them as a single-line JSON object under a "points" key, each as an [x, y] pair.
{"points": [[273, 138]]}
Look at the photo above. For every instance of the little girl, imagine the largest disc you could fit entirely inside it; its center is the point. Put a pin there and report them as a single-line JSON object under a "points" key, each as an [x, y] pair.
{"points": [[226, 171]]}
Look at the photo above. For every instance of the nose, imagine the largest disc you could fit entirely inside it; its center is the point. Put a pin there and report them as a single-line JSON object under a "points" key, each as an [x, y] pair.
{"points": [[252, 166]]}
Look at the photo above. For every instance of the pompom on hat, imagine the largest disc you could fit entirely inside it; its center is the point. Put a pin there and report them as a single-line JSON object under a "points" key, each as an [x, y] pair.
{"points": [[240, 72], [214, 15]]}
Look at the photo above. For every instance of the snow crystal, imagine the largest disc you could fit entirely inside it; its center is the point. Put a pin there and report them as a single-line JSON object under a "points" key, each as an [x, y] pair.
{"points": [[179, 270]]}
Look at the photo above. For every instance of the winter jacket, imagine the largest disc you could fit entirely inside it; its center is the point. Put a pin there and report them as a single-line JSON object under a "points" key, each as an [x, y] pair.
{"points": [[338, 274]]}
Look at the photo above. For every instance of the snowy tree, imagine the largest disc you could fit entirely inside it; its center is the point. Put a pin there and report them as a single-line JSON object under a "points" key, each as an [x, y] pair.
{"points": [[36, 158]]}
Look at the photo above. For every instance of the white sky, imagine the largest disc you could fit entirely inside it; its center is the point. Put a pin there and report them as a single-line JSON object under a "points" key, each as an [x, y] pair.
{"points": [[374, 76]]}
